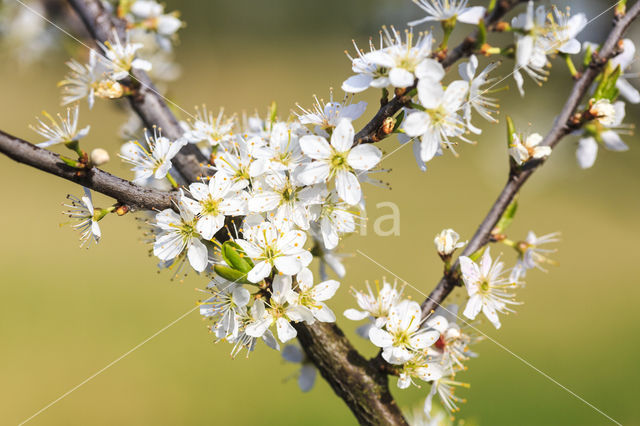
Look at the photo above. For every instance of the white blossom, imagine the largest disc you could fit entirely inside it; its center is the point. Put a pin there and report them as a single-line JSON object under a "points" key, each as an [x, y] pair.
{"points": [[271, 247], [531, 255], [82, 212], [313, 296], [444, 10], [122, 57], [65, 130], [447, 241], [624, 60], [339, 160], [529, 148], [440, 121], [155, 159], [177, 234], [206, 128], [326, 116], [487, 287], [213, 202], [401, 336], [476, 97], [598, 132], [82, 80]]}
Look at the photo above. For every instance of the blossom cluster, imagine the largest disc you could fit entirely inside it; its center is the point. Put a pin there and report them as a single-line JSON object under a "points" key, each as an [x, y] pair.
{"points": [[278, 192], [435, 347]]}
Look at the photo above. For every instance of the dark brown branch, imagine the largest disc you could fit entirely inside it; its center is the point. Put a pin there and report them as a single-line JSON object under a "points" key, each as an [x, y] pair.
{"points": [[562, 126], [146, 102], [123, 191], [370, 132], [364, 388]]}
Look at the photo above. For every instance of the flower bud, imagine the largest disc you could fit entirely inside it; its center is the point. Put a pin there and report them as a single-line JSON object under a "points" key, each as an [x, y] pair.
{"points": [[99, 157], [447, 242]]}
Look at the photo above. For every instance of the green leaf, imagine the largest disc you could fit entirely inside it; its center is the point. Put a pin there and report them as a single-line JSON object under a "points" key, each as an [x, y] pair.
{"points": [[511, 131], [399, 119], [231, 274], [507, 217], [235, 257]]}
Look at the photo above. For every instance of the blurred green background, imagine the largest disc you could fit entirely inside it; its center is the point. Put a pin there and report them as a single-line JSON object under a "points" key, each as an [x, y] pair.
{"points": [[66, 312]]}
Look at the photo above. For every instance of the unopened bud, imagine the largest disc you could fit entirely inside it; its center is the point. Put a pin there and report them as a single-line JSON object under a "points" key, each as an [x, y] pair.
{"points": [[122, 210], [388, 125], [447, 242], [99, 157]]}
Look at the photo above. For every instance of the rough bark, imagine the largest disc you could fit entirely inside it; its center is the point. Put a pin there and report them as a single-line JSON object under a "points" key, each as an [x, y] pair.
{"points": [[122, 190]]}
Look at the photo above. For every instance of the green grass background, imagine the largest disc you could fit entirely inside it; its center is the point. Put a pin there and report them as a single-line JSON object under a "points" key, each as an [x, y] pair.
{"points": [[66, 312]]}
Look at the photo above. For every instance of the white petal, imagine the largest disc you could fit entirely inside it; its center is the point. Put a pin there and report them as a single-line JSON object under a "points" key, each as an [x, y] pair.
{"points": [[472, 15], [613, 141], [364, 157], [399, 77], [307, 377], [474, 306], [259, 272], [416, 124], [587, 152], [292, 353], [348, 187], [380, 338], [285, 330], [197, 255], [357, 83], [430, 69], [424, 339], [325, 290], [315, 147], [314, 172], [289, 265], [355, 315], [342, 137]]}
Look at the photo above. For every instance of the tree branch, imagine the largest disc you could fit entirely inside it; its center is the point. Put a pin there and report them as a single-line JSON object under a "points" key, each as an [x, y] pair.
{"points": [[123, 191], [370, 133], [146, 102], [562, 127]]}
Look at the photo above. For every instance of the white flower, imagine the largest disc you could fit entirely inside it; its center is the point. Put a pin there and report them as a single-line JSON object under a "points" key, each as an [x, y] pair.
{"points": [[154, 161], [477, 99], [64, 131], [279, 312], [447, 242], [531, 48], [624, 60], [376, 306], [122, 57], [368, 74], [452, 348], [278, 192], [522, 152], [339, 160], [227, 303], [235, 161], [403, 60], [271, 247], [402, 336], [445, 388], [206, 128], [81, 210], [604, 111], [83, 79], [325, 116], [308, 372], [243, 340], [609, 135], [444, 10], [215, 201], [419, 367], [313, 296], [145, 9], [335, 218], [531, 255], [440, 120], [565, 29], [487, 288], [282, 152], [177, 234]]}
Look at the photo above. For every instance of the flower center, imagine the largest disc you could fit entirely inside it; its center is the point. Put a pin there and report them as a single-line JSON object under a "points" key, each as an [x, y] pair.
{"points": [[210, 206], [339, 161]]}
